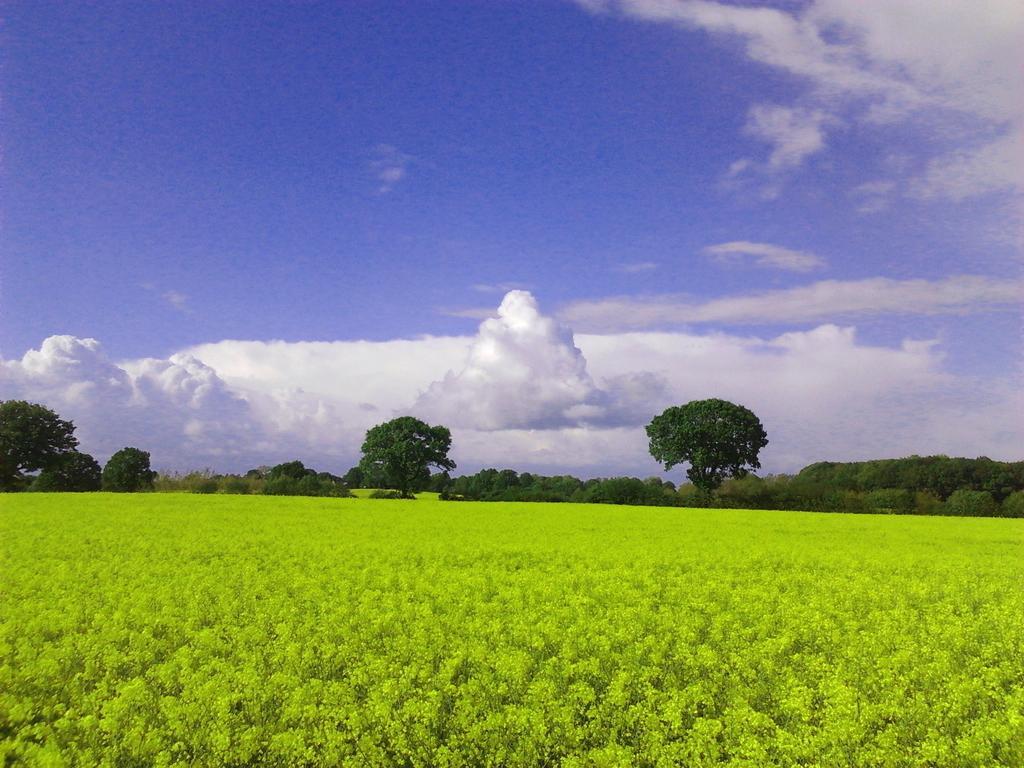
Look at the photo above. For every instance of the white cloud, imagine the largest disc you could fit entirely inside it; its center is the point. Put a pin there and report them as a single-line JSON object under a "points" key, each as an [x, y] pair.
{"points": [[766, 255], [823, 300], [389, 166], [523, 372], [794, 133], [178, 408], [524, 392], [954, 69], [176, 299]]}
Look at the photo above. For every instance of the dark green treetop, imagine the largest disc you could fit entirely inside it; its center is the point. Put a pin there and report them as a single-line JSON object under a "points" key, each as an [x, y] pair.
{"points": [[128, 470], [717, 438], [401, 452], [72, 471], [32, 437]]}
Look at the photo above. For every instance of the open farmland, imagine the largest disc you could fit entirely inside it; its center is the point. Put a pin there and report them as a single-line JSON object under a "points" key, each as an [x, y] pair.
{"points": [[168, 629]]}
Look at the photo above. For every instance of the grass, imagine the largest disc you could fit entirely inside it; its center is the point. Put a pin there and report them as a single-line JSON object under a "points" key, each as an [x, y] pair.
{"points": [[364, 493], [167, 629]]}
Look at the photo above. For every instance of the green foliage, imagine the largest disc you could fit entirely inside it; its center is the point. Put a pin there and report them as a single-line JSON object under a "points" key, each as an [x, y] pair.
{"points": [[895, 501], [353, 478], [628, 490], [177, 630], [294, 470], [384, 493], [718, 439], [937, 475], [399, 453], [70, 472], [128, 471], [1013, 505], [965, 503], [32, 438]]}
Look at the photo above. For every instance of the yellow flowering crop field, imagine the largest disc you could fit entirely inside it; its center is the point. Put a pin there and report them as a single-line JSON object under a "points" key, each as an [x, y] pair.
{"points": [[192, 630]]}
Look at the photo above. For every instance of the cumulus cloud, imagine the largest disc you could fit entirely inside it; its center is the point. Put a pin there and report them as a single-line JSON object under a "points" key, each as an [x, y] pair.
{"points": [[523, 392], [178, 406], [823, 300], [523, 371], [953, 69], [766, 255]]}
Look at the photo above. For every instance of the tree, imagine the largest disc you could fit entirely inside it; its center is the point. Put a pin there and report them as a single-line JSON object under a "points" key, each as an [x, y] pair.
{"points": [[296, 470], [71, 471], [32, 437], [719, 439], [353, 478], [402, 451], [968, 503], [128, 470]]}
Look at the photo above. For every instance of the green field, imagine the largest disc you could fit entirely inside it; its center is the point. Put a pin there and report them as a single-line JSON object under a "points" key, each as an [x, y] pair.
{"points": [[167, 629]]}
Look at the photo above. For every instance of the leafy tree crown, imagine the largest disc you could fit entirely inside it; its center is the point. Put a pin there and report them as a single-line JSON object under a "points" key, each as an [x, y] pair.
{"points": [[32, 437], [399, 453], [717, 438], [128, 470]]}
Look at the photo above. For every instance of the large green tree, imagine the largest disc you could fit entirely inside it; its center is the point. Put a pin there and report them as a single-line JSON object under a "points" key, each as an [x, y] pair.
{"points": [[32, 437], [401, 452], [717, 438], [128, 470], [72, 471]]}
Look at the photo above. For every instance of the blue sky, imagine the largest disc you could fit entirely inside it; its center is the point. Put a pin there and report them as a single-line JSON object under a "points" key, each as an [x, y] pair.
{"points": [[177, 176]]}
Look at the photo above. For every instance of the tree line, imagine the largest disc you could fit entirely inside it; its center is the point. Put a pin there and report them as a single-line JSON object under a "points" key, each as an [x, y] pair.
{"points": [[719, 442]]}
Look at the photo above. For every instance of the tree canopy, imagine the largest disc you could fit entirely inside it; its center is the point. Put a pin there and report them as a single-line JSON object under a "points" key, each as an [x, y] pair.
{"points": [[128, 470], [32, 437], [717, 438], [401, 452], [72, 471]]}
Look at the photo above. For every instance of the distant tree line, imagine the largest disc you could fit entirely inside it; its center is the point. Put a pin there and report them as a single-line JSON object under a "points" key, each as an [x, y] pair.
{"points": [[987, 489], [718, 441]]}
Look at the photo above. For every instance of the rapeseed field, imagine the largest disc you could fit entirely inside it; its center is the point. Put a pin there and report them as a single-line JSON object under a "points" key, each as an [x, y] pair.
{"points": [[189, 630]]}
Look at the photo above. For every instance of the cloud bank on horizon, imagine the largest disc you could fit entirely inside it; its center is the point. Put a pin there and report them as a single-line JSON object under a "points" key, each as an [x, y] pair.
{"points": [[523, 392]]}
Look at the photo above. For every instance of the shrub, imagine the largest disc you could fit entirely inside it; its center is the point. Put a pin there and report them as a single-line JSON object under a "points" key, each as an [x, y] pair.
{"points": [[236, 484], [384, 493], [1013, 505], [207, 485], [927, 503], [280, 486], [690, 495], [896, 501], [967, 503]]}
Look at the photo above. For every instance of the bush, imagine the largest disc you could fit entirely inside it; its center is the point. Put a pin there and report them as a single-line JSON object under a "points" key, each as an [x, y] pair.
{"points": [[926, 503], [207, 485], [966, 503], [893, 501], [1013, 505], [310, 485], [383, 493], [127, 471], [236, 484], [690, 495], [281, 486]]}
